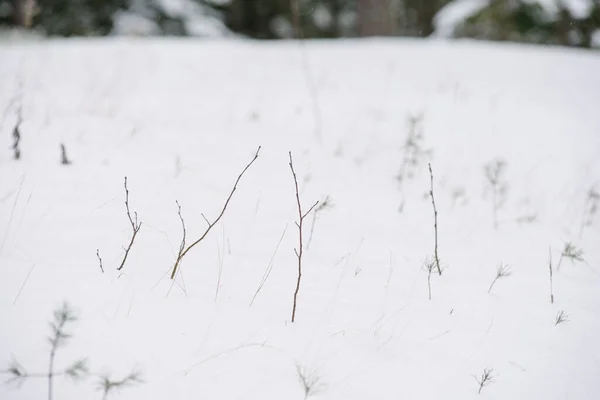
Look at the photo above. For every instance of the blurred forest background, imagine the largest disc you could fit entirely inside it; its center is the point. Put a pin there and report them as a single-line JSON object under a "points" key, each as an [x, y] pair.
{"points": [[559, 22]]}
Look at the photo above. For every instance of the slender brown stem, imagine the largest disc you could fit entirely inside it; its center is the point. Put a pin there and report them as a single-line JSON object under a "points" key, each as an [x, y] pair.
{"points": [[299, 224], [135, 226], [435, 223], [182, 249]]}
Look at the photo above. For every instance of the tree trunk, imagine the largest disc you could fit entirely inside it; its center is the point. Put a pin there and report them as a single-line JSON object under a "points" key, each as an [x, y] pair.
{"points": [[374, 18]]}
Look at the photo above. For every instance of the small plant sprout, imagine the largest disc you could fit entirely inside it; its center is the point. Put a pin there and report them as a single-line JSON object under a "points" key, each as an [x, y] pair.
{"points": [[487, 377], [503, 271], [311, 382], [135, 226], [58, 338], [494, 174], [429, 266], [561, 317], [108, 386], [325, 204], [571, 252]]}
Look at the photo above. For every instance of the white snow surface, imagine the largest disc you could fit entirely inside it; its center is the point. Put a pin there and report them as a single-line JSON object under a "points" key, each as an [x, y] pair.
{"points": [[181, 118]]}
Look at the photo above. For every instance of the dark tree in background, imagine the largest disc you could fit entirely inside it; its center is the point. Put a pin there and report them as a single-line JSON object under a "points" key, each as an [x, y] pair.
{"points": [[533, 21]]}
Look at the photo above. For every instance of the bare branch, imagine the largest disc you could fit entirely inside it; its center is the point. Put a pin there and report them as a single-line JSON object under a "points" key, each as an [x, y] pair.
{"points": [[135, 226], [435, 223], [182, 251], [299, 224]]}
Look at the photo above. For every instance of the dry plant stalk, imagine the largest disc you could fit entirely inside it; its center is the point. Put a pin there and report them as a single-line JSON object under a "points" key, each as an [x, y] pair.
{"points": [[503, 271], [311, 382], [299, 224], [99, 259], [429, 266], [435, 224], [57, 339], [571, 252], [183, 250], [269, 267], [64, 160], [135, 226], [107, 385], [485, 379], [561, 317]]}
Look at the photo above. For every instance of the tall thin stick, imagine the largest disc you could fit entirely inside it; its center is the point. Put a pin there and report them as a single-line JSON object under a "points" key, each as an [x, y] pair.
{"points": [[299, 224], [435, 223], [182, 249], [135, 226]]}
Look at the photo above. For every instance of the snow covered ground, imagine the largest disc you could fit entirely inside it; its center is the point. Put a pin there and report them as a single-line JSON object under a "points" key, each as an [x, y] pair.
{"points": [[182, 118]]}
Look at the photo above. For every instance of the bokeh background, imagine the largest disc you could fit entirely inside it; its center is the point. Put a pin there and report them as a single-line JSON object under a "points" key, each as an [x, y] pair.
{"points": [[556, 22]]}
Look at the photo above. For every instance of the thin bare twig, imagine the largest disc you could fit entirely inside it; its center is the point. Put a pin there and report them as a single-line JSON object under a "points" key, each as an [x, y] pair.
{"points": [[435, 223], [135, 226], [503, 271], [99, 259], [486, 378], [269, 267], [299, 224], [23, 285], [184, 250]]}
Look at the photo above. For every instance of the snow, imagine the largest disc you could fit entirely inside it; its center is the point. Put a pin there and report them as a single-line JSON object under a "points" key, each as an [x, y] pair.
{"points": [[181, 118], [454, 13]]}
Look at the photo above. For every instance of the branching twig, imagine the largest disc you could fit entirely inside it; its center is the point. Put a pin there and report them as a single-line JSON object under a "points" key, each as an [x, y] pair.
{"points": [[571, 252], [106, 385], [299, 224], [429, 267], [58, 338], [561, 317], [311, 382], [485, 379], [503, 271], [435, 223], [183, 250], [135, 226]]}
